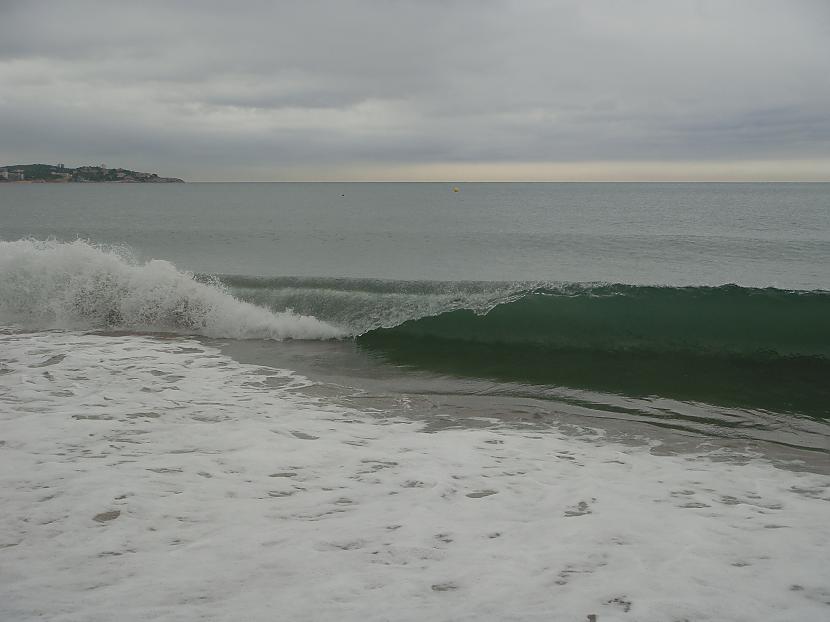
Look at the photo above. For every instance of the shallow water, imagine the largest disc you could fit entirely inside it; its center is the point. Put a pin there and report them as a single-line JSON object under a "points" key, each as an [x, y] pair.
{"points": [[361, 378]]}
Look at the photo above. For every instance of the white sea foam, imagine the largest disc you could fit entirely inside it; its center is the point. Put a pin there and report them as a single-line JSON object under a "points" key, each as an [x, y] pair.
{"points": [[50, 284], [145, 478]]}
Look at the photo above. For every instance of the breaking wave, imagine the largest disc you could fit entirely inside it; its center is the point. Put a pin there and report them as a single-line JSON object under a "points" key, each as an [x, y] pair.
{"points": [[760, 348], [724, 320], [728, 345], [79, 285], [751, 348]]}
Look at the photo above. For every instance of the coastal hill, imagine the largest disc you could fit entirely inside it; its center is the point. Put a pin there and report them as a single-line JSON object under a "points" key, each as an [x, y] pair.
{"points": [[51, 173]]}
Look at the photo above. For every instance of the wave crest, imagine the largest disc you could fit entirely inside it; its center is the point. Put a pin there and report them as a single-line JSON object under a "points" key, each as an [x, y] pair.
{"points": [[724, 320], [79, 285]]}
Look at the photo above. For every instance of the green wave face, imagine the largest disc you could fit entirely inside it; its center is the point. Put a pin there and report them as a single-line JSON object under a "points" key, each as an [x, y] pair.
{"points": [[755, 348], [714, 320]]}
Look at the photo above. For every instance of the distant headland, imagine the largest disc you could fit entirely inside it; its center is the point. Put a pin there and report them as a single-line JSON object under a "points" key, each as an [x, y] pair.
{"points": [[58, 173]]}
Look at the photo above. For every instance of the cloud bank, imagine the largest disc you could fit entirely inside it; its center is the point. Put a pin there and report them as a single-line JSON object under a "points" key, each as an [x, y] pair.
{"points": [[430, 89]]}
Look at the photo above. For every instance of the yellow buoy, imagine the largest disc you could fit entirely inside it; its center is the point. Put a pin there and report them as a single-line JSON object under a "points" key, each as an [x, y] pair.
{"points": [[455, 189]]}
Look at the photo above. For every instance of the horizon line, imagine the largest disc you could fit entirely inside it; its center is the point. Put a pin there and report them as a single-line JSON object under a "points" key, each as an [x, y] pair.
{"points": [[507, 181]]}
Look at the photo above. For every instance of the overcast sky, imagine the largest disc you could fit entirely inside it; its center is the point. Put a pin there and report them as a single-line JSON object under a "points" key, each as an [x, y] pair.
{"points": [[428, 89]]}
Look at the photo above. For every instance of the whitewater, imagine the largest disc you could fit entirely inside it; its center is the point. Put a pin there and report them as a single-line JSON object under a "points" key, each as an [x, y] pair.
{"points": [[56, 285], [148, 478]]}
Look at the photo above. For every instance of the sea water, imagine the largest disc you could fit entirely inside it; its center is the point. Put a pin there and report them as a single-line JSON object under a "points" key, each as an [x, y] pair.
{"points": [[755, 235], [393, 401]]}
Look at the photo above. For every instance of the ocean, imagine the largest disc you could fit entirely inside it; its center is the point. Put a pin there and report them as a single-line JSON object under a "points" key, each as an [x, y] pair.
{"points": [[397, 401]]}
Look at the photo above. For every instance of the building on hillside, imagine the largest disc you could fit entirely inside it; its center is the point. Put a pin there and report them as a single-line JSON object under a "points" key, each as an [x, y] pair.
{"points": [[17, 175], [4, 174]]}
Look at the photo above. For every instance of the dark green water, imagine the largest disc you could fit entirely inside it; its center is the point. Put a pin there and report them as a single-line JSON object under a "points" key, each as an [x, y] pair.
{"points": [[740, 347]]}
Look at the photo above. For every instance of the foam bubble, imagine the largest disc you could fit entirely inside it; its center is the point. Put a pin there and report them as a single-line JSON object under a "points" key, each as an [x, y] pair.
{"points": [[79, 285]]}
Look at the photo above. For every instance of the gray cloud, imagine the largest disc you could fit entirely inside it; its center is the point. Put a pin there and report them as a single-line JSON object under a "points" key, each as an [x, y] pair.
{"points": [[216, 88]]}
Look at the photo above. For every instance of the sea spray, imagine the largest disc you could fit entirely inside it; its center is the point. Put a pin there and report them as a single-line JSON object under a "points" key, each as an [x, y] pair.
{"points": [[50, 284]]}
